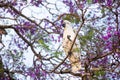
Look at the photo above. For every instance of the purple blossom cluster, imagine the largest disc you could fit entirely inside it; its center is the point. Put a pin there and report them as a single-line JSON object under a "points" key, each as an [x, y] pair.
{"points": [[20, 43], [56, 39], [111, 38], [36, 73], [71, 5], [57, 29], [5, 78], [27, 26], [36, 3], [108, 2]]}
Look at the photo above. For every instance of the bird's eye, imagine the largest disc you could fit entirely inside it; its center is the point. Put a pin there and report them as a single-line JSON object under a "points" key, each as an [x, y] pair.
{"points": [[63, 24]]}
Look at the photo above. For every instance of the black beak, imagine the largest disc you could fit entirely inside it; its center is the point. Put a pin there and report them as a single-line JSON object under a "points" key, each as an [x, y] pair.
{"points": [[63, 24]]}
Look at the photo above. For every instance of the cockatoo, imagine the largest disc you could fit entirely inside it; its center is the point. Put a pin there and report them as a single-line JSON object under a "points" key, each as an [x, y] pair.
{"points": [[68, 38]]}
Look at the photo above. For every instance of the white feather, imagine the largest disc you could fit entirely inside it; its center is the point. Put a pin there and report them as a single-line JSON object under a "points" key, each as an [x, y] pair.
{"points": [[74, 58]]}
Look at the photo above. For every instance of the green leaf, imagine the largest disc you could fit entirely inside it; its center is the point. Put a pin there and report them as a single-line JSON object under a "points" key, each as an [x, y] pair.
{"points": [[90, 34], [83, 40], [72, 19], [88, 15], [67, 17], [103, 10], [89, 1], [2, 70], [77, 20], [76, 50], [42, 43], [57, 53], [99, 73], [87, 37]]}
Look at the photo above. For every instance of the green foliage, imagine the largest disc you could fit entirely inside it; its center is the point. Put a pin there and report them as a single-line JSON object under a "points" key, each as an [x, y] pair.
{"points": [[57, 53], [83, 40], [88, 15], [73, 19], [16, 56], [1, 68], [99, 73], [103, 10], [76, 50], [87, 37], [89, 1], [43, 44], [90, 34]]}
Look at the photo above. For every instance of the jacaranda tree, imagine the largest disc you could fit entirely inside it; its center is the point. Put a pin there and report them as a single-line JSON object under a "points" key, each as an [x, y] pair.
{"points": [[34, 27]]}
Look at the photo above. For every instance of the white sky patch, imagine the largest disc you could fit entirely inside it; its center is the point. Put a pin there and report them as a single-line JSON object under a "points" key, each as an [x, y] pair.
{"points": [[28, 57]]}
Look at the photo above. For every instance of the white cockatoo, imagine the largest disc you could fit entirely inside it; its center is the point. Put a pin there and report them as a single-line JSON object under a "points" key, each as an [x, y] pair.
{"points": [[68, 38]]}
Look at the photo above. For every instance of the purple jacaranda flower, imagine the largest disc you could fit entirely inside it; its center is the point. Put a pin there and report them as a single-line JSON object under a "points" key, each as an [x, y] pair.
{"points": [[102, 1], [39, 1], [15, 51], [109, 28], [81, 5], [33, 30], [14, 3], [43, 73], [109, 2], [37, 70], [20, 29], [109, 23], [109, 35], [10, 11], [108, 45], [65, 1], [31, 1], [95, 1], [59, 38], [70, 4], [19, 46], [33, 75], [21, 4], [27, 24], [61, 35], [116, 33], [36, 3], [105, 37], [71, 7], [109, 18], [52, 38]]}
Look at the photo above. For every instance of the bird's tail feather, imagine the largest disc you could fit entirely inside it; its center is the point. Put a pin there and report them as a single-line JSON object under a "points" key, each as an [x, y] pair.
{"points": [[75, 62], [76, 66]]}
